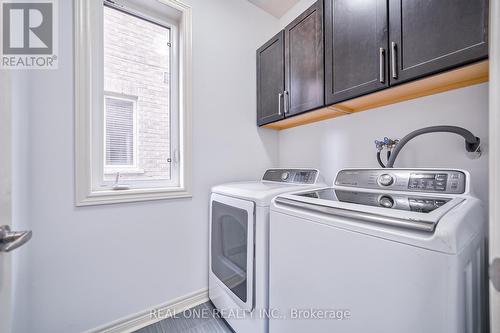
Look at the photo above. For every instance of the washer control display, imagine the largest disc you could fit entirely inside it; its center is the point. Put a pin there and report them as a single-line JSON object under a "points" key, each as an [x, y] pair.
{"points": [[428, 181], [302, 177]]}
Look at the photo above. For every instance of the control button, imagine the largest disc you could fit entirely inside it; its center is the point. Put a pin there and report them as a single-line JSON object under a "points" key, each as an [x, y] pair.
{"points": [[285, 175], [386, 201], [441, 177], [385, 180]]}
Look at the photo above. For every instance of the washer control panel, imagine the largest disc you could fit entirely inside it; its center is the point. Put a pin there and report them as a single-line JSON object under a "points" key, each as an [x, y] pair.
{"points": [[418, 180], [291, 176]]}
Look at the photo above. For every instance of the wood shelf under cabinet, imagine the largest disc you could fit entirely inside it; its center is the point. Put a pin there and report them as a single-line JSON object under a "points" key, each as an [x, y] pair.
{"points": [[458, 78]]}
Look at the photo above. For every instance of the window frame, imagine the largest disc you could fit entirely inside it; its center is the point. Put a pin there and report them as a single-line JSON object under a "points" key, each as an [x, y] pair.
{"points": [[89, 113]]}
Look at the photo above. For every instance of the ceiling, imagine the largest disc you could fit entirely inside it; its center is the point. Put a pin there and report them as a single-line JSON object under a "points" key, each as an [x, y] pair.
{"points": [[275, 7]]}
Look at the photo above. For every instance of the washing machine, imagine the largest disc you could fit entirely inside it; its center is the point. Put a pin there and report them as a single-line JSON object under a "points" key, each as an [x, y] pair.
{"points": [[238, 249], [382, 250]]}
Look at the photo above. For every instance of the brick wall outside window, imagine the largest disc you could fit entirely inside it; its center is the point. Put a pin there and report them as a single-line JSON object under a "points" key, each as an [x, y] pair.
{"points": [[137, 65]]}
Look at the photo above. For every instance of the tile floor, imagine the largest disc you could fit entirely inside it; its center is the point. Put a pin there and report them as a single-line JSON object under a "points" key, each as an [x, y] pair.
{"points": [[189, 322]]}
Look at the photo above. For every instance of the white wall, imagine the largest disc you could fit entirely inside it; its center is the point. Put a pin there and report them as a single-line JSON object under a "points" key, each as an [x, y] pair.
{"points": [[295, 11], [348, 141], [88, 266]]}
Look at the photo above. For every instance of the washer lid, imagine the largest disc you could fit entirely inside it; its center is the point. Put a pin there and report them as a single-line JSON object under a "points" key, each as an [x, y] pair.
{"points": [[261, 192], [401, 210]]}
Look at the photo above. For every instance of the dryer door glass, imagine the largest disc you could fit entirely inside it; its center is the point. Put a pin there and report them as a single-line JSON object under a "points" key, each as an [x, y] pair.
{"points": [[231, 246]]}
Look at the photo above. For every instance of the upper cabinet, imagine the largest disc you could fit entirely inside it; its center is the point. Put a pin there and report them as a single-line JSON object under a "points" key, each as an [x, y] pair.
{"points": [[428, 36], [271, 80], [356, 54], [304, 61], [342, 52], [290, 69]]}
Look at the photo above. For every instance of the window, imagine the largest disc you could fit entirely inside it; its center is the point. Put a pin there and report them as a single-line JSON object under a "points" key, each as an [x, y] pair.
{"points": [[120, 134], [132, 100]]}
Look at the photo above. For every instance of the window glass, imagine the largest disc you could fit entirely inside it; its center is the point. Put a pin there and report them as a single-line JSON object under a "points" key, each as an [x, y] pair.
{"points": [[137, 55]]}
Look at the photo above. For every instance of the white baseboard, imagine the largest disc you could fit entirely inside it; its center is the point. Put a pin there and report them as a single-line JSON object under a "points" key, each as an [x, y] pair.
{"points": [[144, 318]]}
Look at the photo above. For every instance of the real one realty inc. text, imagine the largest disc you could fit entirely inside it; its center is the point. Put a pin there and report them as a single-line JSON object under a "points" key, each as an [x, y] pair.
{"points": [[295, 314]]}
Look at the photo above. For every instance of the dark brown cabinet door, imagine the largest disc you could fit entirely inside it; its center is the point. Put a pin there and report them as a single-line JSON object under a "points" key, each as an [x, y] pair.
{"points": [[270, 80], [428, 36], [356, 54], [304, 78]]}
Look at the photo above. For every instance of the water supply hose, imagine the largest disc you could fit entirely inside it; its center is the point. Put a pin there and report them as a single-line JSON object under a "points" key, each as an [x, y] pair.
{"points": [[379, 160], [471, 141]]}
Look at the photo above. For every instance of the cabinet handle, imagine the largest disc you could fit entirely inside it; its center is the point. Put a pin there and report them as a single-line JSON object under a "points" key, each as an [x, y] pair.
{"points": [[381, 65], [394, 60], [280, 95], [286, 102]]}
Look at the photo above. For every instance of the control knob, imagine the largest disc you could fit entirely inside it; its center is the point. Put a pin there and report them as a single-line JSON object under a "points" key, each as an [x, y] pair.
{"points": [[386, 180], [285, 175], [386, 201]]}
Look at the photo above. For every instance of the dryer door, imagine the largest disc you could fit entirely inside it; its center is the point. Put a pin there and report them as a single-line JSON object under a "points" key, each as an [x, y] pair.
{"points": [[232, 247]]}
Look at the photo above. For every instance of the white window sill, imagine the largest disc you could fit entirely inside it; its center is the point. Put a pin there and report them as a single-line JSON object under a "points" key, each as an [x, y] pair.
{"points": [[109, 196]]}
